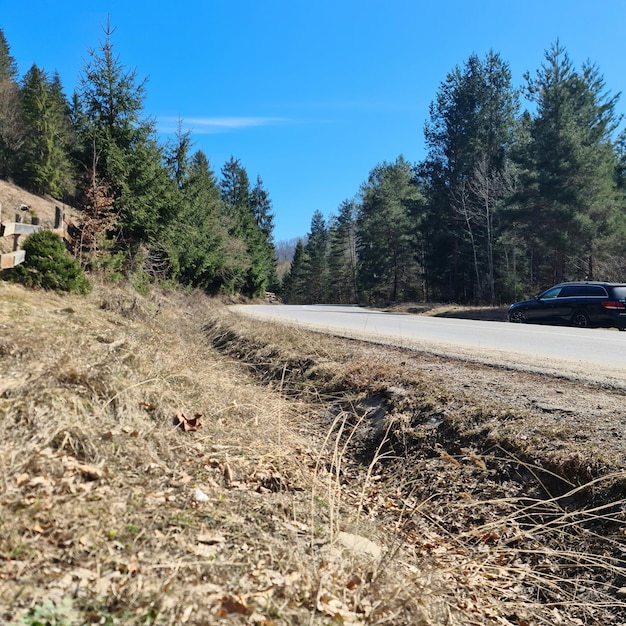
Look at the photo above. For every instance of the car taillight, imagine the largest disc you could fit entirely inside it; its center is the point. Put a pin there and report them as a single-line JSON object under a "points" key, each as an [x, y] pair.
{"points": [[613, 304]]}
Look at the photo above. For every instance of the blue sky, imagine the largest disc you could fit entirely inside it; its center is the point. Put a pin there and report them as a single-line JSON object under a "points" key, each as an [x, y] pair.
{"points": [[310, 96]]}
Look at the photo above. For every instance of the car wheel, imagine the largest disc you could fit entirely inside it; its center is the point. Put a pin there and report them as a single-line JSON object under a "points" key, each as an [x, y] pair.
{"points": [[580, 319], [517, 317]]}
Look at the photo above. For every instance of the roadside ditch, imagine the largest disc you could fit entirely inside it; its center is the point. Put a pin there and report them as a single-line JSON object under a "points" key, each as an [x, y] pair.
{"points": [[494, 477]]}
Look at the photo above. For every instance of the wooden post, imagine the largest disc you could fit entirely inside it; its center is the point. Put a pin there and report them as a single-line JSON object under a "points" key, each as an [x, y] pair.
{"points": [[58, 217], [18, 219]]}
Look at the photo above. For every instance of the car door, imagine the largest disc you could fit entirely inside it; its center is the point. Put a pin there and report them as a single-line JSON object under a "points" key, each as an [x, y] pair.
{"points": [[585, 298], [544, 308], [595, 295], [568, 301]]}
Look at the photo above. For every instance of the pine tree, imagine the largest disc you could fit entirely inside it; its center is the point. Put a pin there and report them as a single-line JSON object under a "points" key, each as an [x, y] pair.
{"points": [[317, 255], [8, 66], [568, 194], [250, 220], [198, 239], [261, 206], [11, 124], [177, 157], [294, 289], [386, 237], [468, 135], [235, 188], [45, 160], [121, 145], [342, 261], [235, 193]]}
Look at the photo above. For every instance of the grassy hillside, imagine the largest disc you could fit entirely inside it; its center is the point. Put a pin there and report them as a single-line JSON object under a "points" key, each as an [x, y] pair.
{"points": [[112, 513], [166, 462]]}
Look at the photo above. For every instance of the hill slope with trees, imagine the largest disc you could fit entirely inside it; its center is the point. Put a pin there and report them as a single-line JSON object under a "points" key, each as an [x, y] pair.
{"points": [[521, 187], [147, 208], [507, 200]]}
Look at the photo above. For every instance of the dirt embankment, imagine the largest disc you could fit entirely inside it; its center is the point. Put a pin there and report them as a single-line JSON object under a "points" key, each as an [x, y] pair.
{"points": [[16, 201], [556, 422]]}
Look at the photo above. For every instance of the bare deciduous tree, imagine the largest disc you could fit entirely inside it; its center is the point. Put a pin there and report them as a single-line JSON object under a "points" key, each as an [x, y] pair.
{"points": [[476, 201]]}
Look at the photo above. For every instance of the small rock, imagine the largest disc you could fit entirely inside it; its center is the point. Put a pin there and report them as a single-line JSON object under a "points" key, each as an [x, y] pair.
{"points": [[359, 545], [200, 496]]}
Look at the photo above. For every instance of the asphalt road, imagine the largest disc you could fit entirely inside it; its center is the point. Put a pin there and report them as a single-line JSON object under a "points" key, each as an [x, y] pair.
{"points": [[598, 355]]}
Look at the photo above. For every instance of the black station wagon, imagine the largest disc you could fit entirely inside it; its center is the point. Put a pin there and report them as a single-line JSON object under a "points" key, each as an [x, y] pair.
{"points": [[584, 304]]}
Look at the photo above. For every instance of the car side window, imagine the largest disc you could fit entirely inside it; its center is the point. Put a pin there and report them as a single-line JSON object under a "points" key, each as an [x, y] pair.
{"points": [[567, 292], [551, 293], [577, 291]]}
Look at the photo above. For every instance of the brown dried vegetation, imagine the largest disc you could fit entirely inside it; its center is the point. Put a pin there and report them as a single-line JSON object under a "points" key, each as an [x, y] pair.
{"points": [[322, 481]]}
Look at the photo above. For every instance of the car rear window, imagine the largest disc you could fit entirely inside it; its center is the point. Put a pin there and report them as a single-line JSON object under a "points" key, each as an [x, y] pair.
{"points": [[619, 293], [594, 290]]}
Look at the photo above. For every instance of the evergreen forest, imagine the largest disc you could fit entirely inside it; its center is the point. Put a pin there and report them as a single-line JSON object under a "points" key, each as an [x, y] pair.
{"points": [[520, 188]]}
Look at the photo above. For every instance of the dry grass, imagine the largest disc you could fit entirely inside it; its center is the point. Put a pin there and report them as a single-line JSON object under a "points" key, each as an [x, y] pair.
{"points": [[487, 313], [98, 503], [316, 491]]}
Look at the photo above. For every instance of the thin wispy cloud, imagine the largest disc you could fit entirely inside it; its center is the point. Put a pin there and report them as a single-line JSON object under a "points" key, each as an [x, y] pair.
{"points": [[212, 125]]}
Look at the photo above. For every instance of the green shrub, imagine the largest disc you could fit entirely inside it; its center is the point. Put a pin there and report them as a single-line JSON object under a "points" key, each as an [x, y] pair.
{"points": [[109, 266], [48, 265]]}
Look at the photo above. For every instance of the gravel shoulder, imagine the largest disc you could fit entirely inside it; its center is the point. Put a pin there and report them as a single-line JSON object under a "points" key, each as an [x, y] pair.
{"points": [[580, 416]]}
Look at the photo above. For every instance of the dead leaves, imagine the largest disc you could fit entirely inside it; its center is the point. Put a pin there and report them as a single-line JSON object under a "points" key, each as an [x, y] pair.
{"points": [[110, 435], [258, 588], [232, 604], [62, 474], [337, 609], [236, 473], [340, 595], [87, 472], [188, 424], [209, 545], [469, 455]]}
